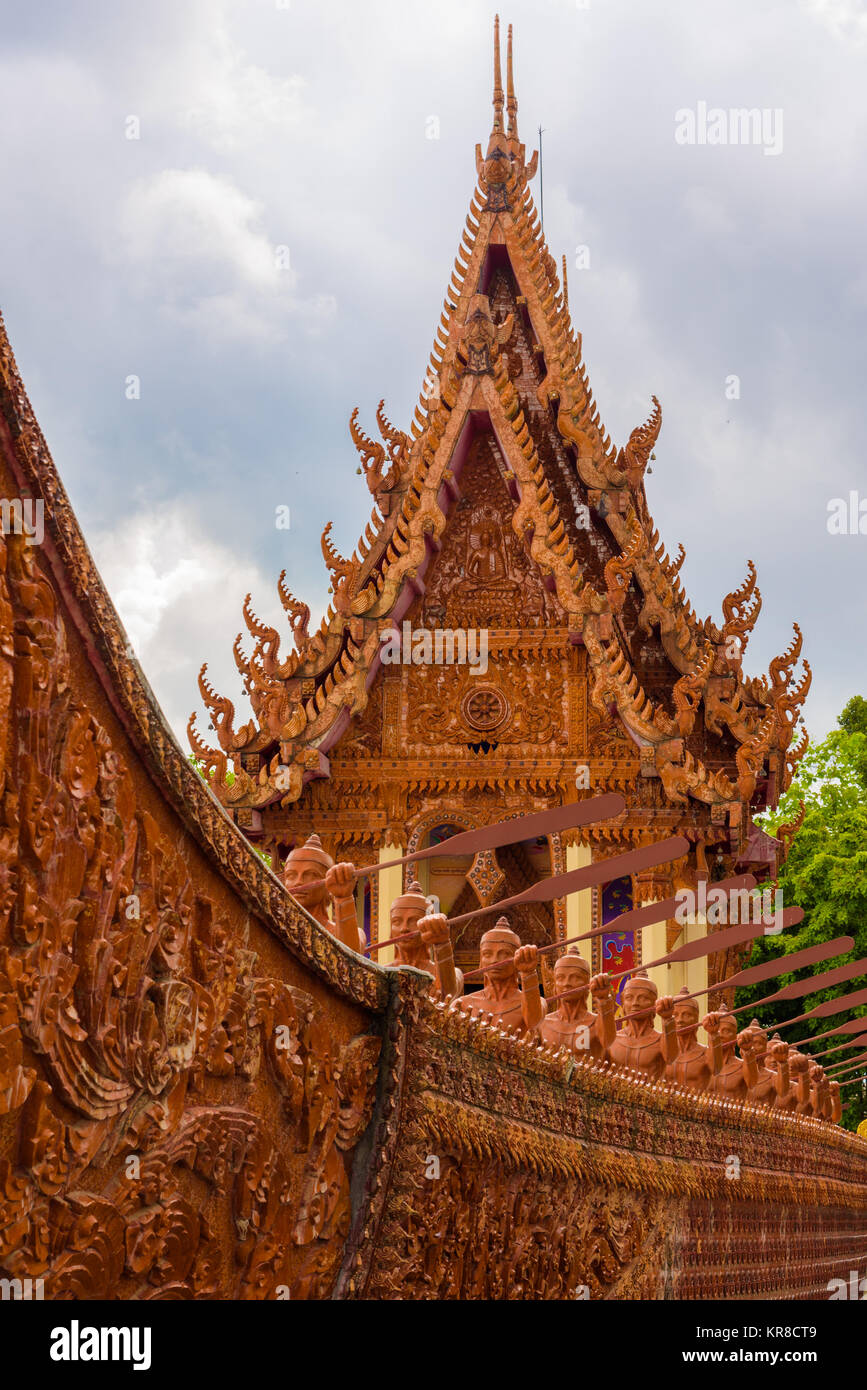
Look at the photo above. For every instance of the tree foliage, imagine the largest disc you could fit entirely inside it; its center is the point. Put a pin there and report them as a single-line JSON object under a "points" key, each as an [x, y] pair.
{"points": [[826, 875]]}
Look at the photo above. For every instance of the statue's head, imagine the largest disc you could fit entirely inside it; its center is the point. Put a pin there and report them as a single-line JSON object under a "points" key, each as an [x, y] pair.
{"points": [[759, 1038], [304, 871], [639, 994], [571, 971], [685, 1010], [497, 949], [408, 909]]}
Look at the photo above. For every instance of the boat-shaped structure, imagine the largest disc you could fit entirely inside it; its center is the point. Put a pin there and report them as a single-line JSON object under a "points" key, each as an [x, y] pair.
{"points": [[203, 1093]]}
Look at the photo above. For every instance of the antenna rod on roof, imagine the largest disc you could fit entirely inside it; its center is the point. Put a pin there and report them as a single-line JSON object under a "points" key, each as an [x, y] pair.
{"points": [[541, 186]]}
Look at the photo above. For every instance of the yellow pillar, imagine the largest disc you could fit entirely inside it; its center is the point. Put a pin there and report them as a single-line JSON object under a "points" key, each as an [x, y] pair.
{"points": [[653, 945], [390, 887], [695, 972], [670, 979], [579, 906]]}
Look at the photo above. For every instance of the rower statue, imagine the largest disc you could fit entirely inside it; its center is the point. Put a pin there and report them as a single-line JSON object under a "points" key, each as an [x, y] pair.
{"points": [[836, 1102], [777, 1062], [766, 1087], [573, 1025], [428, 943], [730, 1081], [502, 960], [694, 1066], [799, 1072], [819, 1092], [314, 880], [637, 1044]]}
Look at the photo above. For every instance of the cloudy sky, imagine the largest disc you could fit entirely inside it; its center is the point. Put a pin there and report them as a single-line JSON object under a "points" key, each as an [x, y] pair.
{"points": [[272, 246]]}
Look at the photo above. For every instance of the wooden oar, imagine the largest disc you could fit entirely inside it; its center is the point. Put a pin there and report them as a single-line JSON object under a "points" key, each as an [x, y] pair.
{"points": [[799, 988], [814, 1056], [509, 832], [647, 857], [849, 1064], [640, 917], [780, 965], [704, 946], [602, 871], [829, 1008], [854, 1025], [857, 1066], [854, 1081], [634, 920]]}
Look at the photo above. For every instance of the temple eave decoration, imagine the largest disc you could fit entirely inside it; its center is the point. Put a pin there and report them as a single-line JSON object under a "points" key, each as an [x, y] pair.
{"points": [[507, 367]]}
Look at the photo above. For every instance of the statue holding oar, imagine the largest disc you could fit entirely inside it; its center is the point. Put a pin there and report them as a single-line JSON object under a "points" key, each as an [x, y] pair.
{"points": [[502, 961], [573, 1025], [424, 941]]}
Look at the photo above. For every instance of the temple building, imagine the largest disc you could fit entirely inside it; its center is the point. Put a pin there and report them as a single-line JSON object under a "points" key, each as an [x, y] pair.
{"points": [[510, 633]]}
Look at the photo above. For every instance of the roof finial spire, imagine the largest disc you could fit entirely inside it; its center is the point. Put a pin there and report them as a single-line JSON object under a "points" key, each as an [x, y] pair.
{"points": [[511, 99], [498, 80], [565, 286]]}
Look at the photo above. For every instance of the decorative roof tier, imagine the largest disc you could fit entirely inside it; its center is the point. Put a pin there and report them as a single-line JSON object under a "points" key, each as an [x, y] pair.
{"points": [[507, 396]]}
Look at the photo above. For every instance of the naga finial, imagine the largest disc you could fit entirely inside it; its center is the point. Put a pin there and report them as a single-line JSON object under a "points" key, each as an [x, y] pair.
{"points": [[297, 612], [372, 455]]}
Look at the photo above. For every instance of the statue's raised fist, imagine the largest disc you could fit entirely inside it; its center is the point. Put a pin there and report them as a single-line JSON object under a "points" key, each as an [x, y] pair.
{"points": [[525, 959], [434, 929], [340, 880]]}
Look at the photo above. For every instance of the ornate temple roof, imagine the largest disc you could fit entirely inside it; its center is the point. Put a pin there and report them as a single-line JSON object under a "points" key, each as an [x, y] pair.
{"points": [[507, 359]]}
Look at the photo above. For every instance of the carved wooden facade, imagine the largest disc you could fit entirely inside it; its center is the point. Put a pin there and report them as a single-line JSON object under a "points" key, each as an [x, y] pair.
{"points": [[507, 508]]}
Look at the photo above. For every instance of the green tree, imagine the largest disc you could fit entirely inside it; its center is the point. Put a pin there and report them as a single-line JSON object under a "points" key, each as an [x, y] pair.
{"points": [[826, 875]]}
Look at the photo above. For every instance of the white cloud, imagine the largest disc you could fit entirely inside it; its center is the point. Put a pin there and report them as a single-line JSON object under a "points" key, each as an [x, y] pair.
{"points": [[846, 19], [198, 242], [236, 103], [179, 594]]}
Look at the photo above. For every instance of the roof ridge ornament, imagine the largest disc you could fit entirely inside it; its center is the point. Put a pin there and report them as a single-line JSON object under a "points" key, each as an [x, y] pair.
{"points": [[497, 128], [504, 168], [511, 99]]}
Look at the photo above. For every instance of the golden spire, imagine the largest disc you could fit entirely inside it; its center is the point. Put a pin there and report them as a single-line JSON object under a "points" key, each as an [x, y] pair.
{"points": [[565, 286], [512, 100], [498, 81]]}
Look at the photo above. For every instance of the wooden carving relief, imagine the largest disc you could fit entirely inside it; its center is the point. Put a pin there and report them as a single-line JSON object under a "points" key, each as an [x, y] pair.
{"points": [[502, 1234], [138, 1035], [521, 1175], [484, 577], [514, 703]]}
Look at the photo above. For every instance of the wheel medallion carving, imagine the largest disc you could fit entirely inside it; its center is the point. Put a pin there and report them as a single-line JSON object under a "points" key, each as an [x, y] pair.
{"points": [[484, 708]]}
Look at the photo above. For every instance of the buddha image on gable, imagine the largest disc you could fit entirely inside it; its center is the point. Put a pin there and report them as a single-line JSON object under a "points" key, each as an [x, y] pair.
{"points": [[486, 556]]}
